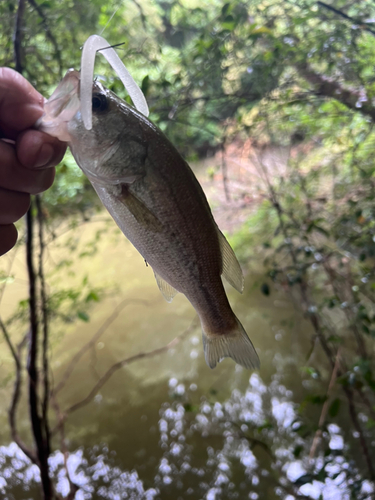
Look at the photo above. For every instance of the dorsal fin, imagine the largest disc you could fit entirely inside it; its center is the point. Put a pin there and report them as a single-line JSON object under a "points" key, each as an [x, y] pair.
{"points": [[231, 268], [166, 289]]}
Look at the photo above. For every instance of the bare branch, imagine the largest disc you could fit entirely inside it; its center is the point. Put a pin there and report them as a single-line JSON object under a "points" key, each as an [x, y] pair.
{"points": [[141, 14], [224, 170], [16, 394], [251, 440], [36, 421], [358, 428], [43, 297], [17, 36], [49, 33], [358, 22], [356, 100], [12, 257], [306, 302], [42, 450], [128, 361], [315, 320], [370, 407], [64, 448], [94, 339], [324, 412], [9, 342], [41, 59], [348, 313]]}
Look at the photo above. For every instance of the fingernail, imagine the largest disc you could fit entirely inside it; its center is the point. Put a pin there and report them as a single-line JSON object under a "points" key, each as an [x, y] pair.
{"points": [[45, 155]]}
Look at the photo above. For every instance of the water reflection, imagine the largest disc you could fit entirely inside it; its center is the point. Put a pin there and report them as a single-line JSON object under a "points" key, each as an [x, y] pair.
{"points": [[172, 428], [242, 447], [96, 476]]}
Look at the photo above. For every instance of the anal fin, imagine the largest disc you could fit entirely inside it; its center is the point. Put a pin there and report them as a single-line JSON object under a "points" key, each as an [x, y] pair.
{"points": [[232, 271], [166, 289]]}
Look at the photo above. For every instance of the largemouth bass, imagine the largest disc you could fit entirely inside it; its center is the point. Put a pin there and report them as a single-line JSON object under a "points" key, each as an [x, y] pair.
{"points": [[157, 202]]}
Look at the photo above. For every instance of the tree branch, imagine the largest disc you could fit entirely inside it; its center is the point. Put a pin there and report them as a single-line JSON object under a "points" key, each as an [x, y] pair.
{"points": [[348, 313], [357, 426], [16, 394], [128, 361], [94, 339], [36, 420], [64, 448], [48, 32], [43, 297], [356, 100], [324, 412], [358, 22], [17, 36], [307, 304], [141, 14], [37, 427], [224, 170], [11, 257]]}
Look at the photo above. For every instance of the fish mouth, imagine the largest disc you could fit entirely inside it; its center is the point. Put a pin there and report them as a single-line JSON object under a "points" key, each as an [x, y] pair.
{"points": [[60, 108]]}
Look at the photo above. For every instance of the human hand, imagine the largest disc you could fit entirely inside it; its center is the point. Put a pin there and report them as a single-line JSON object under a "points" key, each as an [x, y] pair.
{"points": [[27, 156]]}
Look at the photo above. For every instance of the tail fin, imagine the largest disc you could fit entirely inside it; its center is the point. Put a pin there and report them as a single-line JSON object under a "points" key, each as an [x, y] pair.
{"points": [[235, 344]]}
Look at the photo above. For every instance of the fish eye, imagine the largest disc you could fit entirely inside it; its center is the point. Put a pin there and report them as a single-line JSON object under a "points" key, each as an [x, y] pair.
{"points": [[99, 102]]}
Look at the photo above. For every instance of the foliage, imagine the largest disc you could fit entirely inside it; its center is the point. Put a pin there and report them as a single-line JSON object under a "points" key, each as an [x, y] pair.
{"points": [[296, 74]]}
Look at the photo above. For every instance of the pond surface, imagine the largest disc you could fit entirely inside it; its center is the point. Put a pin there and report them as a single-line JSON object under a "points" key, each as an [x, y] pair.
{"points": [[165, 426]]}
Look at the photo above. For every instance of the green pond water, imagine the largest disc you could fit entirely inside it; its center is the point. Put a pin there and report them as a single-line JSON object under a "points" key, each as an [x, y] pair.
{"points": [[166, 426]]}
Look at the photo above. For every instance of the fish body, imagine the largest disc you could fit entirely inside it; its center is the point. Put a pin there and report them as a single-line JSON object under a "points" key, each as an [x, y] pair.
{"points": [[157, 202]]}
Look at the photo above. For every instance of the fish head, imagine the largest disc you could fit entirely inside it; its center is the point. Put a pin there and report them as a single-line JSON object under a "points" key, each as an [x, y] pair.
{"points": [[117, 130]]}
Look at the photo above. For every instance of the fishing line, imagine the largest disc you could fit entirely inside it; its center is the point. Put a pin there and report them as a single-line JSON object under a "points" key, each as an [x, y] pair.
{"points": [[110, 19]]}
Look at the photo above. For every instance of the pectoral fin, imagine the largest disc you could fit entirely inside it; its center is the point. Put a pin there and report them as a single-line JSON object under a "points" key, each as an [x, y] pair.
{"points": [[141, 213], [231, 269], [166, 289]]}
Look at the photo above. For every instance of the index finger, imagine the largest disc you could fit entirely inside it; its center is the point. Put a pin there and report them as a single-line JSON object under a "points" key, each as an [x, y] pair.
{"points": [[20, 104]]}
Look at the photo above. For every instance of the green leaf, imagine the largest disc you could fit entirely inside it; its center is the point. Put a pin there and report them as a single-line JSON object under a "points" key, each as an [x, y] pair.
{"points": [[191, 408], [83, 316], [7, 279], [334, 408], [261, 30], [92, 296], [309, 370], [297, 451], [335, 339], [229, 24], [265, 425], [145, 84], [316, 399], [304, 479], [225, 8]]}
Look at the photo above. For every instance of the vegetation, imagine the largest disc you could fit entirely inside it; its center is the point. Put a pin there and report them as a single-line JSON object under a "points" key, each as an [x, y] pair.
{"points": [[292, 76]]}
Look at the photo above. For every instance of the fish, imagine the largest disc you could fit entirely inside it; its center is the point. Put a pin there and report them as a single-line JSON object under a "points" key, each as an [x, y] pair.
{"points": [[157, 202]]}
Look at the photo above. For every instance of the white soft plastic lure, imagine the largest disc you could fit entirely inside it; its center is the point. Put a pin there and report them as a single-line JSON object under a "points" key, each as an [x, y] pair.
{"points": [[92, 45], [65, 102]]}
